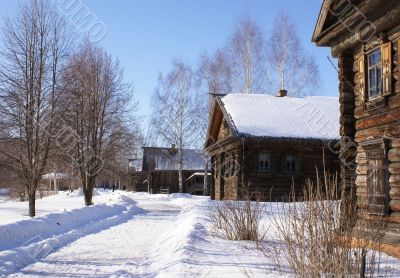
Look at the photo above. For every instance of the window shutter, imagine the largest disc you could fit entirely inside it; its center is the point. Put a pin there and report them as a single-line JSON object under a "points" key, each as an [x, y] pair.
{"points": [[361, 76], [386, 69], [377, 176]]}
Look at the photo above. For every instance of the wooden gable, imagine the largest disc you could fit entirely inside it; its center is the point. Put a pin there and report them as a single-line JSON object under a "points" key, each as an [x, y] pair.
{"points": [[224, 130], [219, 126], [346, 24], [333, 12]]}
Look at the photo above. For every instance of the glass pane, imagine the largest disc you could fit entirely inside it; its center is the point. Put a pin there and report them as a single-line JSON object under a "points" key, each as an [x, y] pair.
{"points": [[374, 58], [291, 163], [379, 79], [372, 82], [264, 157], [263, 162]]}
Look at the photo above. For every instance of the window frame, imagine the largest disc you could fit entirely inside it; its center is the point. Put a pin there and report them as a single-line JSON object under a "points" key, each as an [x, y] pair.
{"points": [[264, 169], [386, 86], [290, 170], [378, 94]]}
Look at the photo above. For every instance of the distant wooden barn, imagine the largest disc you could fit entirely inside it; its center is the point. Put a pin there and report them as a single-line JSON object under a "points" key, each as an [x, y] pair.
{"points": [[160, 167], [267, 144], [365, 37]]}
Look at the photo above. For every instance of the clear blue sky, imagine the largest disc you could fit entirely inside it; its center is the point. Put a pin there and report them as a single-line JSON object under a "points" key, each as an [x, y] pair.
{"points": [[146, 34]]}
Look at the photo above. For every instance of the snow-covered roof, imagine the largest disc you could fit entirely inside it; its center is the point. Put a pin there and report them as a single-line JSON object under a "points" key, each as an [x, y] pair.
{"points": [[167, 159], [260, 115], [135, 164], [55, 175], [198, 174]]}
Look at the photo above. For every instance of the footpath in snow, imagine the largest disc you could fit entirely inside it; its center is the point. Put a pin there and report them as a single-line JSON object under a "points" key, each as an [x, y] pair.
{"points": [[125, 235]]}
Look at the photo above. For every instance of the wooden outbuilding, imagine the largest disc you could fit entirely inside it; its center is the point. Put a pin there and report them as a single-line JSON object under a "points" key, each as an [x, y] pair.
{"points": [[267, 144], [160, 167], [365, 37]]}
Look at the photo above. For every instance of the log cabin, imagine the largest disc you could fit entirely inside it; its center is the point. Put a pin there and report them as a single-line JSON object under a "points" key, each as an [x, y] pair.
{"points": [[160, 167], [270, 144], [365, 38]]}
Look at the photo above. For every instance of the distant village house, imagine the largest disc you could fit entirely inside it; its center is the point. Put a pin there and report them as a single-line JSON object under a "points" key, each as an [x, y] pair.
{"points": [[268, 144], [160, 168]]}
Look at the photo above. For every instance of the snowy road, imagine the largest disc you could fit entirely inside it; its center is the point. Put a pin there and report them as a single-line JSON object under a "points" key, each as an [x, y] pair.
{"points": [[131, 235], [126, 250]]}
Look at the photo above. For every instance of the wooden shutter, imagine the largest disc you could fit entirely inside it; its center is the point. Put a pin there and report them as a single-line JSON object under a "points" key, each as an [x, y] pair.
{"points": [[377, 187], [361, 76], [377, 178], [386, 68]]}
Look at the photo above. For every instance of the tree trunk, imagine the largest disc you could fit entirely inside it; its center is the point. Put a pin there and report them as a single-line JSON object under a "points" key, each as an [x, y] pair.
{"points": [[132, 182], [88, 197], [180, 180], [88, 191], [205, 185], [180, 162], [32, 200], [363, 263]]}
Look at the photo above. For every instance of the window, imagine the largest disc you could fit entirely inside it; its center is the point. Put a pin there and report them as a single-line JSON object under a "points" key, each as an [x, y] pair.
{"points": [[375, 82], [264, 162], [375, 76], [291, 164], [229, 166]]}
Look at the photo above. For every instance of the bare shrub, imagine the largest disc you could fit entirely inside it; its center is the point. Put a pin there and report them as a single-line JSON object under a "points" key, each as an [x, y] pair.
{"points": [[239, 220], [321, 234]]}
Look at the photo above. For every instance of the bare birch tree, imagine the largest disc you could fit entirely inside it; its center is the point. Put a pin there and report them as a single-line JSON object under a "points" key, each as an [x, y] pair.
{"points": [[98, 113], [292, 69], [36, 45], [246, 55], [214, 75], [174, 118], [240, 66]]}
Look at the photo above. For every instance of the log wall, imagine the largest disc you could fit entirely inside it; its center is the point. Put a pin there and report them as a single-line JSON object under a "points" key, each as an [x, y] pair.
{"points": [[347, 100], [379, 122], [275, 184], [278, 184]]}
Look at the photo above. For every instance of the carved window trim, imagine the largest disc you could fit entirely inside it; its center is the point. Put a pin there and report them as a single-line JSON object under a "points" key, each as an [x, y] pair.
{"points": [[377, 183], [375, 69], [381, 100]]}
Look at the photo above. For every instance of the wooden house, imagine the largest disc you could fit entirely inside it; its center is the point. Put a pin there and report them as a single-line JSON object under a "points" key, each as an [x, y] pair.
{"points": [[160, 166], [268, 144], [365, 37]]}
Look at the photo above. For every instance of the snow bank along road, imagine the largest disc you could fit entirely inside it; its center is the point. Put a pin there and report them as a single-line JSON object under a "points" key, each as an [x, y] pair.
{"points": [[124, 235]]}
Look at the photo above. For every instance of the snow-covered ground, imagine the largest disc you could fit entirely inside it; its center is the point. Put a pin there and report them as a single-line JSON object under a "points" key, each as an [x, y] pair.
{"points": [[4, 195], [123, 235]]}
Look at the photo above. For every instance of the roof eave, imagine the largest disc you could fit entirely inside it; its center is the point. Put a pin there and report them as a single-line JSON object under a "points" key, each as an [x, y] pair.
{"points": [[227, 116], [321, 19], [275, 138], [211, 118]]}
